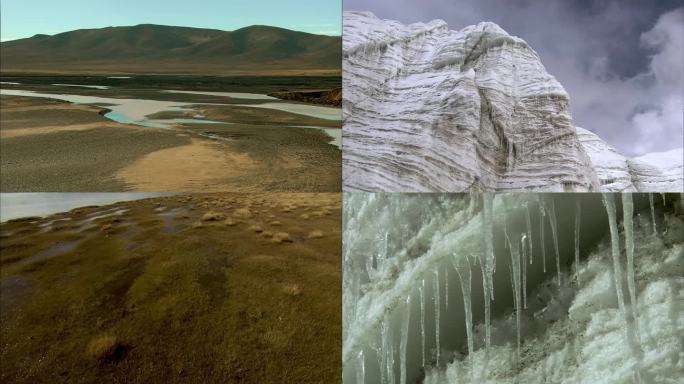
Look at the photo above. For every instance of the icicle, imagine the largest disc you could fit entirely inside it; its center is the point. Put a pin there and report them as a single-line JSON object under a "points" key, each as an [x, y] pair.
{"points": [[421, 290], [404, 339], [435, 285], [446, 288], [630, 336], [542, 215], [489, 263], [384, 349], [578, 215], [529, 229], [554, 233], [387, 351], [515, 281], [489, 240], [360, 368], [464, 276], [650, 200], [627, 212], [485, 287], [662, 194], [369, 267], [609, 202], [383, 253], [523, 261]]}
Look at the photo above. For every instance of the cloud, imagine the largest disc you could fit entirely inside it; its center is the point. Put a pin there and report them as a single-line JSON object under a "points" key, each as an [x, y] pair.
{"points": [[619, 60], [665, 119]]}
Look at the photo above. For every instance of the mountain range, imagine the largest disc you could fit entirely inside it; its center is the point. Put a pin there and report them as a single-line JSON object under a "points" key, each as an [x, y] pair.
{"points": [[149, 48]]}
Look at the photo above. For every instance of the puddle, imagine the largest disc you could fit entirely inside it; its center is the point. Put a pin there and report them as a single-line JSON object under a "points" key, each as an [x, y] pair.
{"points": [[118, 77], [326, 113], [13, 289], [51, 222], [234, 95], [53, 251], [48, 225], [9, 83], [104, 214], [128, 236], [83, 86], [90, 223], [170, 226], [133, 245]]}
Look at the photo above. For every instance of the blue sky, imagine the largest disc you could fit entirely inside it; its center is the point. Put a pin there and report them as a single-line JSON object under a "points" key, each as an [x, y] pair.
{"points": [[25, 18]]}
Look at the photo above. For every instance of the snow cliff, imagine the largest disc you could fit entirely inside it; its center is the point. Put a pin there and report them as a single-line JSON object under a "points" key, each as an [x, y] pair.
{"points": [[426, 108]]}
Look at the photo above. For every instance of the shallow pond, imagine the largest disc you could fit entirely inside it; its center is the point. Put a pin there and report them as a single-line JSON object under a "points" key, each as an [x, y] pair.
{"points": [[17, 205]]}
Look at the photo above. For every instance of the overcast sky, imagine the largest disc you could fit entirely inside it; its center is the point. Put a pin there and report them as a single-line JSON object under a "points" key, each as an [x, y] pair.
{"points": [[621, 61]]}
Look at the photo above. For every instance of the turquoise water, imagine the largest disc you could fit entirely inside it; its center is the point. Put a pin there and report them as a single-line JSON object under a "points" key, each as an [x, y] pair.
{"points": [[136, 111]]}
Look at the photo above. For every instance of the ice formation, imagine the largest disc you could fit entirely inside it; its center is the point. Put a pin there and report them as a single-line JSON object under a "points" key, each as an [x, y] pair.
{"points": [[615, 314], [656, 172], [426, 108]]}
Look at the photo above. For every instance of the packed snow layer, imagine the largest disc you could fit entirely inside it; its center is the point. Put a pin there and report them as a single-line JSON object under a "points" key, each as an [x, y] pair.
{"points": [[657, 172], [426, 108], [427, 297]]}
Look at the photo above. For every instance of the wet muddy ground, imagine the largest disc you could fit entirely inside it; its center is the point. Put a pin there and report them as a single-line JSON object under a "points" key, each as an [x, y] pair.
{"points": [[187, 288]]}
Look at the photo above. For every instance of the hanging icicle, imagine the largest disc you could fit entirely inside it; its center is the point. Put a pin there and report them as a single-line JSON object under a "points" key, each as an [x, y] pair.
{"points": [[515, 283], [542, 216], [435, 285], [405, 321], [578, 216], [523, 261], [554, 233], [489, 263], [487, 302], [528, 221], [421, 290], [653, 220], [627, 213], [465, 276], [360, 368], [609, 202]]}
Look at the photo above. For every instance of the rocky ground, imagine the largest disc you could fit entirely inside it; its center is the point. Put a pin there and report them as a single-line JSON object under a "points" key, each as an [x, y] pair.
{"points": [[330, 97]]}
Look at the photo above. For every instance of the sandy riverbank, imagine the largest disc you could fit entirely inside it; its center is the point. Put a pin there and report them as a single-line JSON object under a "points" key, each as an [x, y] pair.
{"points": [[49, 145]]}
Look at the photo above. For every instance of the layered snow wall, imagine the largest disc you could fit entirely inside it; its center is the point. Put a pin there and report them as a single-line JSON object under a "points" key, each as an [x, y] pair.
{"points": [[426, 108]]}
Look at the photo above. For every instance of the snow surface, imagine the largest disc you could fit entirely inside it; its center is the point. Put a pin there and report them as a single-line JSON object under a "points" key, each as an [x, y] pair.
{"points": [[656, 172]]}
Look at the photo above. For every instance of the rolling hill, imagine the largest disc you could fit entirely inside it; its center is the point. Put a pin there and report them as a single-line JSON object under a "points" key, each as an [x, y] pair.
{"points": [[149, 48]]}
